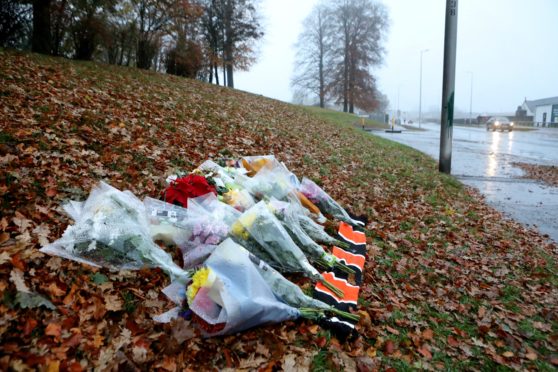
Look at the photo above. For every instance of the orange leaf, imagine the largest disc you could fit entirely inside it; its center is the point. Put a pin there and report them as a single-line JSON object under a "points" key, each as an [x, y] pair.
{"points": [[30, 325], [53, 329], [425, 352], [55, 290], [52, 192], [428, 334], [4, 237]]}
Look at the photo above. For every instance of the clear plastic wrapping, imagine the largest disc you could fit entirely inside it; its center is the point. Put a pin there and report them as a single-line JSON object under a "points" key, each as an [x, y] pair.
{"points": [[326, 203], [259, 231], [111, 229]]}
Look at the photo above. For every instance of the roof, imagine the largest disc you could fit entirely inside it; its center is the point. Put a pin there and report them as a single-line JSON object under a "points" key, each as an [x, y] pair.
{"points": [[541, 102]]}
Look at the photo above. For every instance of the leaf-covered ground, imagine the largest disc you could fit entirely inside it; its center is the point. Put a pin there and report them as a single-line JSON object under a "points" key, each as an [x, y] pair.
{"points": [[449, 282], [547, 174]]}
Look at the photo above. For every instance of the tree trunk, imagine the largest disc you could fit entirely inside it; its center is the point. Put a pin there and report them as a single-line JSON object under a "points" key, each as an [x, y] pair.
{"points": [[230, 82], [228, 43], [41, 39], [216, 68]]}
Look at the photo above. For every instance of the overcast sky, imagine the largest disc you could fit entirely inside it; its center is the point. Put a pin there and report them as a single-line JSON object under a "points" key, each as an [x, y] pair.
{"points": [[510, 46]]}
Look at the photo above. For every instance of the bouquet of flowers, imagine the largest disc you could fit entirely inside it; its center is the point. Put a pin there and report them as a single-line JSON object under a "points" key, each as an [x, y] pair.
{"points": [[240, 200], [269, 182], [327, 205], [235, 291], [287, 214], [111, 230], [183, 188], [259, 231], [317, 233]]}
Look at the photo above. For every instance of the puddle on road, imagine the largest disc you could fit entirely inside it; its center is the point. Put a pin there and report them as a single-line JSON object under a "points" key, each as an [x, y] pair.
{"points": [[484, 160]]}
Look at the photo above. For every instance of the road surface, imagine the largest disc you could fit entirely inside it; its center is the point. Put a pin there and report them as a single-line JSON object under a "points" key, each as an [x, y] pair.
{"points": [[484, 160]]}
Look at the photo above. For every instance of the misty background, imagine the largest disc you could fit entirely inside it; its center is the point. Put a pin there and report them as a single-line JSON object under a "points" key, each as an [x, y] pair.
{"points": [[508, 45]]}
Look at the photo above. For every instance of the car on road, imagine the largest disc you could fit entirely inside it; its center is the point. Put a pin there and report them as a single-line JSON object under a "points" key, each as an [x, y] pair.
{"points": [[500, 123]]}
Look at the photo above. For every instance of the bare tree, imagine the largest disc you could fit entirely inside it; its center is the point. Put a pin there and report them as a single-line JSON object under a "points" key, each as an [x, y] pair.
{"points": [[360, 25], [230, 29], [313, 47]]}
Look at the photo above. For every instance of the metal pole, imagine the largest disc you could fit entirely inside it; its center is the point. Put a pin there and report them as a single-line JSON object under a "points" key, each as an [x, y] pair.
{"points": [[448, 86], [420, 87]]}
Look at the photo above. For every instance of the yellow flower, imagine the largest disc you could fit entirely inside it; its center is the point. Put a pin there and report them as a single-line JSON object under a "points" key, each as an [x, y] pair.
{"points": [[248, 219], [198, 280], [238, 230]]}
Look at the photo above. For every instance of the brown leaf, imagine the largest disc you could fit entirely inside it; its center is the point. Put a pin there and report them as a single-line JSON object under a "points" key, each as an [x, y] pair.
{"points": [[392, 330], [389, 347], [507, 354], [531, 355], [452, 341]]}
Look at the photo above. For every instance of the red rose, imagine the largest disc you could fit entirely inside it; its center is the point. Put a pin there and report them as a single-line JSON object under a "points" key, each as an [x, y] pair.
{"points": [[183, 188]]}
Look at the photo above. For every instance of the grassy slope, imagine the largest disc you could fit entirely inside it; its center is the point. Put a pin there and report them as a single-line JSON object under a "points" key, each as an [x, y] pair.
{"points": [[447, 283]]}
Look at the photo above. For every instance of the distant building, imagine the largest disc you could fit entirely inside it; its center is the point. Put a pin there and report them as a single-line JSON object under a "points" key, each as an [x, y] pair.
{"points": [[543, 111]]}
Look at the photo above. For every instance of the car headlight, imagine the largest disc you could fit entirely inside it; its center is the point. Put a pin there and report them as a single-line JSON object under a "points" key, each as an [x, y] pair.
{"points": [[511, 123], [497, 123]]}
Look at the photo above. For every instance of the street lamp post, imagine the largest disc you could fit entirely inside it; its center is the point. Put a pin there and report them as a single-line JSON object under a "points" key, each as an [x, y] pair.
{"points": [[420, 88], [471, 100]]}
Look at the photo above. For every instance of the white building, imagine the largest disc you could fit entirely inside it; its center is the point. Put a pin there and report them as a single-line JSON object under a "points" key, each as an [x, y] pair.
{"points": [[544, 111]]}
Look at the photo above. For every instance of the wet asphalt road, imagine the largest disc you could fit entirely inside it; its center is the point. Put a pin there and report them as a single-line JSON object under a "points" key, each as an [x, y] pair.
{"points": [[484, 160]]}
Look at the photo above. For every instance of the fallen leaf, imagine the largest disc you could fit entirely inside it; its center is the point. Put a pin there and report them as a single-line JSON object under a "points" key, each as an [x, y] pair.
{"points": [[389, 347], [423, 350], [452, 341], [113, 302], [16, 277], [428, 334], [53, 329], [392, 330], [531, 355], [507, 354], [55, 290]]}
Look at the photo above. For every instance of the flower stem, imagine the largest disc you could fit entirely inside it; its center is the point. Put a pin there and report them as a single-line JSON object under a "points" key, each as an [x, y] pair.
{"points": [[345, 314], [339, 293], [341, 266], [311, 313]]}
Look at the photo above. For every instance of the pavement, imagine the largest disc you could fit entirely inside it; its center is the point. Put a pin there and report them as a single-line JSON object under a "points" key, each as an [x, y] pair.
{"points": [[484, 160]]}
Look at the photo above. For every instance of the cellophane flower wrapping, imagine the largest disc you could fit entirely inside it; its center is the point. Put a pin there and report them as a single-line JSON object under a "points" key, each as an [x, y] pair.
{"points": [[259, 231], [282, 288], [225, 174], [111, 229], [239, 199], [167, 221], [288, 213], [269, 183], [326, 203], [233, 293]]}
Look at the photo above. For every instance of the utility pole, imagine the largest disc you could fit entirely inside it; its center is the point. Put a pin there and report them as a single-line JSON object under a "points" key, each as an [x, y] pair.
{"points": [[448, 86], [420, 86]]}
